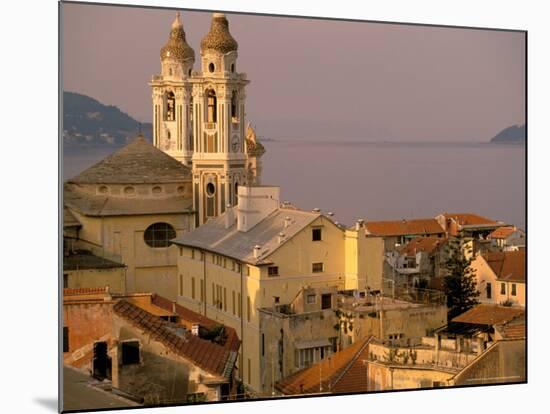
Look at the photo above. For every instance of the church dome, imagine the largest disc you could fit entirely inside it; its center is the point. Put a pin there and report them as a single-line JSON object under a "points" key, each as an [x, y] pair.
{"points": [[219, 38], [177, 46]]}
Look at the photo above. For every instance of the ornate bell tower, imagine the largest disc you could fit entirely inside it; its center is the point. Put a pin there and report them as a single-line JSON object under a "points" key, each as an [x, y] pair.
{"points": [[172, 118], [219, 157]]}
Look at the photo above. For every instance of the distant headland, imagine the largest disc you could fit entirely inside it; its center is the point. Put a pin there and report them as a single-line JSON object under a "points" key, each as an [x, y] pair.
{"points": [[514, 134]]}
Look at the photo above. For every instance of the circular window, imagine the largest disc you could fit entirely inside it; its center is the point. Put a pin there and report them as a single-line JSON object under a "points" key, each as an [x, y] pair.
{"points": [[211, 67], [129, 190], [157, 190], [159, 235], [210, 189], [233, 68], [181, 189], [103, 189]]}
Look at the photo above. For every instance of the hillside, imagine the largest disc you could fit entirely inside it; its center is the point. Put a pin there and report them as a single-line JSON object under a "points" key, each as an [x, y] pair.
{"points": [[511, 135], [89, 122]]}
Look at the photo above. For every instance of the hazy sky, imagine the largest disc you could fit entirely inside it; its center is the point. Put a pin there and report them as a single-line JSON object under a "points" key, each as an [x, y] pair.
{"points": [[315, 79]]}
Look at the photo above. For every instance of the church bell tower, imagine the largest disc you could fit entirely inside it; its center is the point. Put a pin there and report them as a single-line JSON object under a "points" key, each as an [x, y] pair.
{"points": [[172, 96], [218, 96]]}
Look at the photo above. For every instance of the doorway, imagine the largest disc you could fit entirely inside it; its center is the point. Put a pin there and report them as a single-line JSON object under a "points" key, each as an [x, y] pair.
{"points": [[101, 361]]}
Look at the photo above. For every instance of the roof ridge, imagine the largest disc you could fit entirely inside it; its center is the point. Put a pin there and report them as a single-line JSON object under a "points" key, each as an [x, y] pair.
{"points": [[352, 361]]}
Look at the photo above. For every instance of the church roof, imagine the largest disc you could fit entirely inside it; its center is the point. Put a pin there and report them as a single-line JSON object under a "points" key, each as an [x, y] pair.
{"points": [[177, 46], [100, 205], [219, 38], [137, 163]]}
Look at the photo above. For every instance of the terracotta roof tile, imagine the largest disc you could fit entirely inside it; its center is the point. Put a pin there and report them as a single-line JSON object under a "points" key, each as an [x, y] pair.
{"points": [[205, 354], [509, 266], [468, 219], [403, 227], [485, 314], [502, 232], [422, 244], [342, 372], [189, 317]]}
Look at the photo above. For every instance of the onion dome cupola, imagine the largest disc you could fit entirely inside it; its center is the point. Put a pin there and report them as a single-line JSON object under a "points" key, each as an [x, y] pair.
{"points": [[176, 56], [218, 47]]}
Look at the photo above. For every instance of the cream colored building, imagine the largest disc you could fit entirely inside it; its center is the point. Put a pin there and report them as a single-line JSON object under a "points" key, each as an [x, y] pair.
{"points": [[253, 256], [500, 277]]}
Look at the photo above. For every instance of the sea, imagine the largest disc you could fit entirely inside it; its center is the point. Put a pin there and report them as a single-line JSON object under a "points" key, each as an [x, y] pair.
{"points": [[384, 180]]}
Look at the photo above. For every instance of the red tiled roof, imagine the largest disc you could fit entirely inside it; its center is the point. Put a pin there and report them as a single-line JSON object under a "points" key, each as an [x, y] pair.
{"points": [[422, 244], [509, 266], [189, 317], [84, 291], [467, 219], [485, 314], [502, 232], [205, 354], [342, 372], [403, 227]]}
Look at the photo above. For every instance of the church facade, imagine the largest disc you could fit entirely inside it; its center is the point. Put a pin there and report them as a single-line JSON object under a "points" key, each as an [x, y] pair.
{"points": [[199, 117]]}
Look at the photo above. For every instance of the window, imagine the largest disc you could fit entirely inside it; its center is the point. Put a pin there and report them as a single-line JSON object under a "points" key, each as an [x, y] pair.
{"points": [[316, 234], [263, 344], [65, 280], [249, 370], [326, 301], [513, 289], [65, 339], [192, 288], [170, 106], [181, 285], [159, 235], [273, 271], [203, 284], [503, 288], [248, 308], [212, 103], [210, 189], [193, 254], [317, 267], [234, 106], [130, 353], [488, 289], [232, 68], [248, 270], [233, 302], [225, 299], [310, 299], [211, 67]]}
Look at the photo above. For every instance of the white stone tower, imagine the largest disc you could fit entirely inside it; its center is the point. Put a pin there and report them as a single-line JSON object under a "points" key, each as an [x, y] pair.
{"points": [[172, 118], [219, 157]]}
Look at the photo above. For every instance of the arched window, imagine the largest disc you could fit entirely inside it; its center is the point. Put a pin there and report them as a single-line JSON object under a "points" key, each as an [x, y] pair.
{"points": [[191, 145], [234, 113], [212, 103], [236, 193], [170, 106], [159, 235]]}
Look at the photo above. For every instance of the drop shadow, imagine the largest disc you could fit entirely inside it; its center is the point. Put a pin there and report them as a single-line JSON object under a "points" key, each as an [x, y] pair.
{"points": [[49, 403]]}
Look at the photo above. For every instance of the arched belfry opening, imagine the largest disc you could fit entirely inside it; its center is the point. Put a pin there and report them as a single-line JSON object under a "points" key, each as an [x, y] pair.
{"points": [[234, 110], [211, 106], [169, 106]]}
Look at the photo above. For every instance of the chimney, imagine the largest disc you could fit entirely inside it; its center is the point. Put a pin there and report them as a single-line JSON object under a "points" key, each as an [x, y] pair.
{"points": [[287, 222], [359, 224], [195, 329], [257, 251], [316, 210], [281, 237], [229, 216], [330, 214], [255, 204]]}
